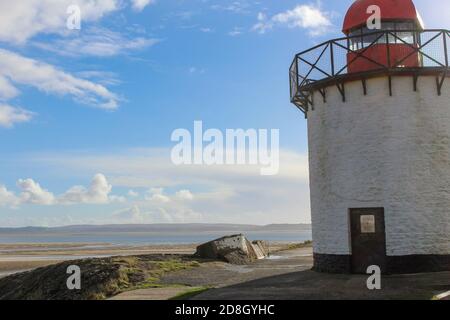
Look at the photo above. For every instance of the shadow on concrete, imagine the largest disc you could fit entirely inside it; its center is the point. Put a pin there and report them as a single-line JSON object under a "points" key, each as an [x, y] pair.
{"points": [[311, 285]]}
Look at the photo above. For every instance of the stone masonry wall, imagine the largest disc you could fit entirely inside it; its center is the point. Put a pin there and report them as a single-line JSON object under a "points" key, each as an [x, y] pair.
{"points": [[382, 151]]}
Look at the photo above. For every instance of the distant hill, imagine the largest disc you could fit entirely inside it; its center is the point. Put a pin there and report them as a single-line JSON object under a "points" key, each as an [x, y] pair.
{"points": [[160, 228]]}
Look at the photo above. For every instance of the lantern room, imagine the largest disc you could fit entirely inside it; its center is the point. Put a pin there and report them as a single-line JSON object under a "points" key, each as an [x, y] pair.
{"points": [[393, 45]]}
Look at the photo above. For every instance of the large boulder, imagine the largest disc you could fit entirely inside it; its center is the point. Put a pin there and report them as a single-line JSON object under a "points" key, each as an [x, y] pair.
{"points": [[235, 249]]}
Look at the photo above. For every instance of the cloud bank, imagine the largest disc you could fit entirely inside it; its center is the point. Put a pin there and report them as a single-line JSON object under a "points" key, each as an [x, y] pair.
{"points": [[31, 193], [305, 16], [21, 21], [156, 191]]}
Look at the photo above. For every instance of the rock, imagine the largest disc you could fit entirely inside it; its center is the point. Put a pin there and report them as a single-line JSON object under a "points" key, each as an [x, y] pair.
{"points": [[100, 277], [235, 249]]}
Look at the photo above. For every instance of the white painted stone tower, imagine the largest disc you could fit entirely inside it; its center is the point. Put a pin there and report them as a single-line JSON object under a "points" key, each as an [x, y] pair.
{"points": [[378, 110]]}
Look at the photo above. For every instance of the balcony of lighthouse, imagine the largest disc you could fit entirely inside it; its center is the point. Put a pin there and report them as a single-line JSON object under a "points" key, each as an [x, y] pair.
{"points": [[396, 50]]}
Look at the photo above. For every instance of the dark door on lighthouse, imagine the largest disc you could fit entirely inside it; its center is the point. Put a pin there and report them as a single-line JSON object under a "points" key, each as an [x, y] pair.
{"points": [[368, 239]]}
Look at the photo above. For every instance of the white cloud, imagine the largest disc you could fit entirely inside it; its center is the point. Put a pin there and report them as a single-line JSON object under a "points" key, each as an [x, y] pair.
{"points": [[7, 90], [105, 78], [21, 20], [117, 199], [9, 115], [99, 42], [235, 7], [176, 214], [139, 5], [7, 198], [157, 195], [129, 215], [159, 207], [184, 195], [47, 78], [133, 194], [143, 214], [33, 193], [97, 193], [206, 30], [307, 16]]}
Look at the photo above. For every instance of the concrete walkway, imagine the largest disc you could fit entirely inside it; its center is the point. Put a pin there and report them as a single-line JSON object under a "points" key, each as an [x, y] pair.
{"points": [[287, 276], [309, 285], [295, 281], [149, 294], [220, 274]]}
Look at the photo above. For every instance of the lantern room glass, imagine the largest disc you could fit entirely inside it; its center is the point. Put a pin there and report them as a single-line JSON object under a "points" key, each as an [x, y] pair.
{"points": [[363, 37]]}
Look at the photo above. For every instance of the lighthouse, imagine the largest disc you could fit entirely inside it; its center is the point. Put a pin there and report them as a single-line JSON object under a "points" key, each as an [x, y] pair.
{"points": [[377, 103]]}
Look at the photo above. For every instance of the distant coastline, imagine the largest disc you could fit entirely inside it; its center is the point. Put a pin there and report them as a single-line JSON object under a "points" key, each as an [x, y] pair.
{"points": [[153, 233], [160, 227]]}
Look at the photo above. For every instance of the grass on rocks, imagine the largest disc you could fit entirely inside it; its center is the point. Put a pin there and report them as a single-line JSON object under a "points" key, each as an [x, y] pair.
{"points": [[100, 278]]}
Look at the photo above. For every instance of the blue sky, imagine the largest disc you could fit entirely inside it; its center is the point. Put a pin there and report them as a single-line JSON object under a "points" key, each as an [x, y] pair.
{"points": [[86, 116]]}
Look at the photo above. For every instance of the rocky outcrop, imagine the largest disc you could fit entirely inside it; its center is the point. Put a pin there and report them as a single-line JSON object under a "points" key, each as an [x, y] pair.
{"points": [[235, 249], [100, 277]]}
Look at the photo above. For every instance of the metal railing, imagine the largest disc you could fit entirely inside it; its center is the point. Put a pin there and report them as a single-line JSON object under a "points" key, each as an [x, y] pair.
{"points": [[335, 60]]}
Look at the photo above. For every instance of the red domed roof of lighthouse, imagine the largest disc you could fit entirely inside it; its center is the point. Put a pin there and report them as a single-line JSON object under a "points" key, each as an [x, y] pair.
{"points": [[390, 10]]}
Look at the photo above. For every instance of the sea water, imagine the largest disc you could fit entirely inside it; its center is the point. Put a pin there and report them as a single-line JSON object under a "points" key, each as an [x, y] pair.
{"points": [[147, 238]]}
